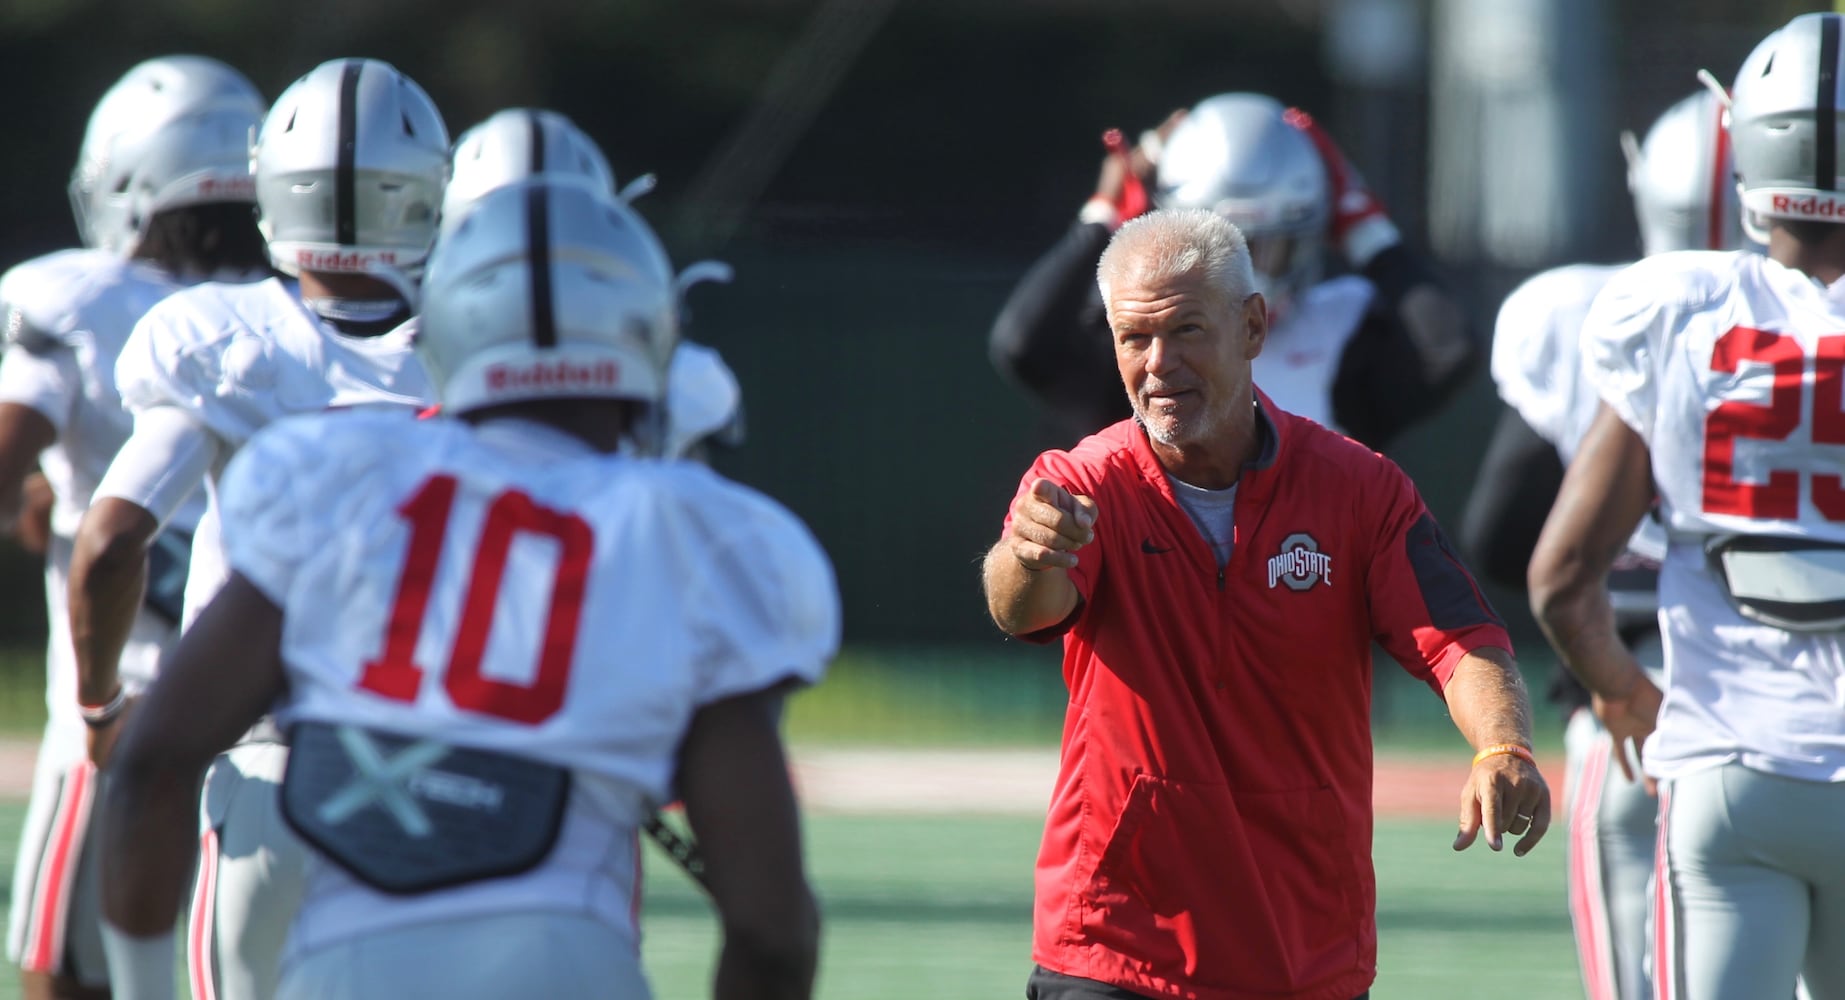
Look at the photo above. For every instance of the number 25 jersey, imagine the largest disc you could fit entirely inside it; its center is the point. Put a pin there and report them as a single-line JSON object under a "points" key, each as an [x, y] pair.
{"points": [[506, 588], [1729, 366]]}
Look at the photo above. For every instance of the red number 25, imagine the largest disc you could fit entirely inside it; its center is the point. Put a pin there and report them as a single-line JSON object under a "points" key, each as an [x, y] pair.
{"points": [[394, 673], [1779, 497]]}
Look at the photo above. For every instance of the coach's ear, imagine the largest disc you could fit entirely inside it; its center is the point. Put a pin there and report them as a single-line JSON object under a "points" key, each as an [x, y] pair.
{"points": [[1255, 325]]}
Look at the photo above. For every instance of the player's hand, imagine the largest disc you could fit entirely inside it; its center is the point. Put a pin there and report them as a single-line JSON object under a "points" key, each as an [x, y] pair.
{"points": [[33, 529], [1630, 719], [1504, 794], [1359, 225], [1049, 523], [102, 738], [1140, 164]]}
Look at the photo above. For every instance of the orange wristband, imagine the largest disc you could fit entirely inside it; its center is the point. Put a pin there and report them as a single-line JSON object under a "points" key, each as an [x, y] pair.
{"points": [[1496, 749]]}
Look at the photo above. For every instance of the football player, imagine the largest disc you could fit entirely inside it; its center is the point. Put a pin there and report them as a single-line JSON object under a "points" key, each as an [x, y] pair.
{"points": [[1368, 353], [703, 400], [1720, 378], [348, 169], [498, 642], [163, 199], [1680, 178]]}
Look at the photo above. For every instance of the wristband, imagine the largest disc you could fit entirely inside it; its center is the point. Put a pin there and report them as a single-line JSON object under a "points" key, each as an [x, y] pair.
{"points": [[1509, 749], [1101, 212], [97, 716]]}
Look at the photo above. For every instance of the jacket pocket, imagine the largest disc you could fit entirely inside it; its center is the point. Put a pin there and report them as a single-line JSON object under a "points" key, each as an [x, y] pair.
{"points": [[1241, 891]]}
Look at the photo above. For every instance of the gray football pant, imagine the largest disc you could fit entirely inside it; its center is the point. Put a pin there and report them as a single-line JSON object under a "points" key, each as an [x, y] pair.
{"points": [[1752, 889], [250, 877], [1609, 860], [531, 954]]}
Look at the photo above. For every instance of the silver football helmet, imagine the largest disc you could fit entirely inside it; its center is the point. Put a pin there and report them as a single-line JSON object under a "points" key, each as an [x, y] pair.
{"points": [[1233, 154], [516, 144], [1784, 126], [1681, 179], [173, 131], [548, 289], [349, 168]]}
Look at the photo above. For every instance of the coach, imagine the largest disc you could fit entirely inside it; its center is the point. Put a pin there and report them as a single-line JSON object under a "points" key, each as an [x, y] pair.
{"points": [[1218, 569]]}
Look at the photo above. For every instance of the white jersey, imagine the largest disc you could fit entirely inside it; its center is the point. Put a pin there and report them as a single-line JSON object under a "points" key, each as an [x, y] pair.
{"points": [[68, 315], [1300, 361], [1536, 363], [1537, 366], [1728, 365], [235, 358], [508, 589]]}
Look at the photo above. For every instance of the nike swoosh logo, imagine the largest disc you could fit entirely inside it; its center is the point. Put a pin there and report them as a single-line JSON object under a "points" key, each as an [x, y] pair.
{"points": [[1149, 548]]}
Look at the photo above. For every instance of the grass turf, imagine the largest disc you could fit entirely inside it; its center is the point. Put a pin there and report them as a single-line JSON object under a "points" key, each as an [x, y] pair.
{"points": [[940, 906], [930, 907]]}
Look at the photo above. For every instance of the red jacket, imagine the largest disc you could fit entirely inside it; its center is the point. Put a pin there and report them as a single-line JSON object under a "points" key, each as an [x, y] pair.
{"points": [[1210, 832]]}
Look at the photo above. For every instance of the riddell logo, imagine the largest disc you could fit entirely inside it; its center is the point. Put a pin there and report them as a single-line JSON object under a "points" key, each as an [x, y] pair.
{"points": [[556, 376], [342, 260], [1809, 207], [220, 187]]}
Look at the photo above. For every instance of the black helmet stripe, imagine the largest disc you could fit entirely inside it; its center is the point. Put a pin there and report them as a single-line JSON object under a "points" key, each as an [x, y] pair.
{"points": [[1825, 112], [538, 236], [345, 223], [538, 142]]}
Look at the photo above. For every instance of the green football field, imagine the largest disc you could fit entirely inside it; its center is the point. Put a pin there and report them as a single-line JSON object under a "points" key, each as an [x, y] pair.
{"points": [[932, 907], [935, 906]]}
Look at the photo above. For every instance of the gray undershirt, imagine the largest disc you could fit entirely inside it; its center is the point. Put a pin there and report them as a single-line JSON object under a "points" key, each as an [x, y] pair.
{"points": [[1213, 511]]}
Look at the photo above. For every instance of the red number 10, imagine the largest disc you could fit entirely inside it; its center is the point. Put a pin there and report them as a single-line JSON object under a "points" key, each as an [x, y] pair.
{"points": [[1779, 498], [394, 673]]}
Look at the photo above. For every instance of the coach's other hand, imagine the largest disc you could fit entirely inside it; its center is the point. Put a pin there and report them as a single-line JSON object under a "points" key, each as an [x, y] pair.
{"points": [[1505, 793], [1049, 523]]}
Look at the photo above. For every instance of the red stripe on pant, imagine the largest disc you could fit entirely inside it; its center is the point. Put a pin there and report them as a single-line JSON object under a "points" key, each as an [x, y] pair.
{"points": [[1588, 901], [44, 947], [199, 935], [1665, 924]]}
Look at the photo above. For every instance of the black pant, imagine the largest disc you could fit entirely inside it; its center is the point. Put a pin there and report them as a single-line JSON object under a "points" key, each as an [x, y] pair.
{"points": [[1043, 984]]}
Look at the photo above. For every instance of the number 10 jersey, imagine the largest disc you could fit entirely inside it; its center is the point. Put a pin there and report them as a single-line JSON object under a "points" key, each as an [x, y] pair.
{"points": [[505, 588], [1730, 366]]}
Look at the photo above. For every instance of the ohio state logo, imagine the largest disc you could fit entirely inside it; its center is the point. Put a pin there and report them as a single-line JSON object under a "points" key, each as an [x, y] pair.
{"points": [[1810, 206], [1300, 564], [554, 376]]}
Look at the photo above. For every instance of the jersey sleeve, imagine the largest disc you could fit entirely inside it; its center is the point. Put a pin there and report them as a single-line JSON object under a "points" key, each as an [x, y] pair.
{"points": [[1623, 342], [1065, 470], [267, 501], [1426, 609], [159, 366], [768, 609], [46, 378], [1531, 365]]}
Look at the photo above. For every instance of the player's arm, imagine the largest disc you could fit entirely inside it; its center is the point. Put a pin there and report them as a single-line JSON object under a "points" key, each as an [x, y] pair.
{"points": [[24, 432], [1051, 337], [739, 801], [162, 463], [225, 672], [1412, 353], [40, 383], [1026, 573], [1608, 489], [1518, 478]]}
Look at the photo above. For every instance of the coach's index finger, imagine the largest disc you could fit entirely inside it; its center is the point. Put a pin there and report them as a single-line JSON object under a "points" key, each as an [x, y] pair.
{"points": [[1075, 515]]}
